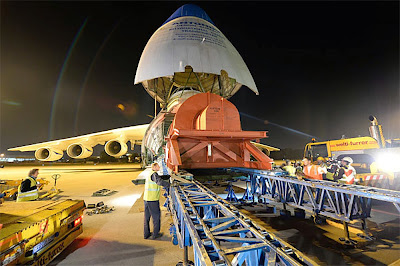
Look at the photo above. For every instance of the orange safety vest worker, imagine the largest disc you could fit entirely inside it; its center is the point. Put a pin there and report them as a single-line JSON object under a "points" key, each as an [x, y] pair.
{"points": [[28, 195], [311, 171], [349, 175], [151, 189]]}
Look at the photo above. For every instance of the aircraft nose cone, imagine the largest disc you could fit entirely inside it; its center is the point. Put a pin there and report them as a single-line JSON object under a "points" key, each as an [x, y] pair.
{"points": [[189, 10], [189, 51]]}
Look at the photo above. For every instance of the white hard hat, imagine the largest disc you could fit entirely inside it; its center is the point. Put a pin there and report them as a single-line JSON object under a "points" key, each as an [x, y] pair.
{"points": [[348, 159]]}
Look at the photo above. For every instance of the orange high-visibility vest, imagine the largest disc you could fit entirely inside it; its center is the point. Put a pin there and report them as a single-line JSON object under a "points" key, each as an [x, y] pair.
{"points": [[312, 172], [349, 174]]}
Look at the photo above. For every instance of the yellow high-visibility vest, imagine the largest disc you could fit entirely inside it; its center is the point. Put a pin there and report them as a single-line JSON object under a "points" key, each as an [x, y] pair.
{"points": [[151, 189], [290, 169], [29, 195]]}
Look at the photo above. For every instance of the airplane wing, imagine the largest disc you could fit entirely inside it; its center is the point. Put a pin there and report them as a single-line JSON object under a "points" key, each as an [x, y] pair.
{"points": [[264, 147], [82, 146]]}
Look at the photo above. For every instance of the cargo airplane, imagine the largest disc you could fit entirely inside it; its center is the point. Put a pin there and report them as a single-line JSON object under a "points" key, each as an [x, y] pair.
{"points": [[190, 68]]}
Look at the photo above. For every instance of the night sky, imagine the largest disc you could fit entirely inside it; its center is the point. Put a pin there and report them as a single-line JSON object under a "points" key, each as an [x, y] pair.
{"points": [[321, 67]]}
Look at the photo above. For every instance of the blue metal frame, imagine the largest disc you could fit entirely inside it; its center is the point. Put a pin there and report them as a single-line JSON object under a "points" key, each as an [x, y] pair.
{"points": [[339, 201], [220, 234]]}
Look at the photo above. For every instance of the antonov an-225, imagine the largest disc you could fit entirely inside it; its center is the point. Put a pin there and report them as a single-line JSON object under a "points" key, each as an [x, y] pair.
{"points": [[187, 56]]}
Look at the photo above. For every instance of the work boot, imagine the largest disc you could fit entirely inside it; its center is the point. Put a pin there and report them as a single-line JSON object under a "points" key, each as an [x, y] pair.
{"points": [[146, 237], [157, 236]]}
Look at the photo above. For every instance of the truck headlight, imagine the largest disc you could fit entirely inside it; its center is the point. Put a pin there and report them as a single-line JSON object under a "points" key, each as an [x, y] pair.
{"points": [[389, 162]]}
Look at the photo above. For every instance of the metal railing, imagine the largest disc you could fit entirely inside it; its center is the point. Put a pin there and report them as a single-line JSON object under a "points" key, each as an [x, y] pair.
{"points": [[339, 201], [220, 234]]}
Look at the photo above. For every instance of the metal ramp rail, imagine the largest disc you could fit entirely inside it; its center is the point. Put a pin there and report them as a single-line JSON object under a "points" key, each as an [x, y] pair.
{"points": [[321, 198], [220, 234], [339, 201]]}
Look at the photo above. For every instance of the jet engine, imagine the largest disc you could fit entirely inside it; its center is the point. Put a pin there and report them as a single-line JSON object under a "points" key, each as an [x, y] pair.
{"points": [[48, 154], [79, 151], [116, 148]]}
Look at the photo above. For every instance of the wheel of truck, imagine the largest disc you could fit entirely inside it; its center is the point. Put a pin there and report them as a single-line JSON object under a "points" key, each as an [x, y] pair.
{"points": [[14, 196]]}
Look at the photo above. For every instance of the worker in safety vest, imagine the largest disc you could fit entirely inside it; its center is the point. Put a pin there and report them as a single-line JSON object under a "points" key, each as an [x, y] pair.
{"points": [[151, 199], [323, 167], [28, 190], [346, 172], [289, 168], [311, 171]]}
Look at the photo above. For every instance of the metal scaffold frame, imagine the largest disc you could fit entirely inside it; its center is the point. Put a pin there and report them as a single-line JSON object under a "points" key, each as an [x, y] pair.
{"points": [[338, 201], [220, 234], [342, 202]]}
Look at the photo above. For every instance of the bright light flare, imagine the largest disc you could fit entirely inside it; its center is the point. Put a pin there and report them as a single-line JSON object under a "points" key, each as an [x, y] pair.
{"points": [[125, 201], [389, 162]]}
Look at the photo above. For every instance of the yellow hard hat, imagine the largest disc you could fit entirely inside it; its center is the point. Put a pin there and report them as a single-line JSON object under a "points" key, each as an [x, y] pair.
{"points": [[321, 159]]}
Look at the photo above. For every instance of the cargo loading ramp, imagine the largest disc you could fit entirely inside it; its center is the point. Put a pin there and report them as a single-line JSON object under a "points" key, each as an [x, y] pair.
{"points": [[220, 234]]}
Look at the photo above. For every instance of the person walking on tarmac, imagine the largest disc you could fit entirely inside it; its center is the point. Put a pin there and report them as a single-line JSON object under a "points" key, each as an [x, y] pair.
{"points": [[346, 173], [27, 190], [151, 199]]}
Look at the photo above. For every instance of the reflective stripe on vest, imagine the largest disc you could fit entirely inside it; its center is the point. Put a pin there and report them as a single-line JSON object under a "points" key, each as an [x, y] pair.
{"points": [[349, 174], [151, 189], [29, 195], [312, 172]]}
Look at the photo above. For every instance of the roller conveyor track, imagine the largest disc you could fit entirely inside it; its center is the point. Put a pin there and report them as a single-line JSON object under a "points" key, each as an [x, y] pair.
{"points": [[220, 234], [339, 201]]}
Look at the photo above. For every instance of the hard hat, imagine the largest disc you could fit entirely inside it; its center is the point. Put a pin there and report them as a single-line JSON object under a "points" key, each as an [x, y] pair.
{"points": [[348, 159], [320, 159]]}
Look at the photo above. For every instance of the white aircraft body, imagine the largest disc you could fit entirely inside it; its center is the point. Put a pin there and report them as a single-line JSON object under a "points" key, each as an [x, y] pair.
{"points": [[187, 55]]}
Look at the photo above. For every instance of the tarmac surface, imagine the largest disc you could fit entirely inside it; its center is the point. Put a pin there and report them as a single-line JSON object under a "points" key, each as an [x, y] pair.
{"points": [[116, 238]]}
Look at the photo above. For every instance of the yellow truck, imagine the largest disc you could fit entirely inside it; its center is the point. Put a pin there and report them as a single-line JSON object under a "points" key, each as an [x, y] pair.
{"points": [[10, 187], [35, 232], [376, 159]]}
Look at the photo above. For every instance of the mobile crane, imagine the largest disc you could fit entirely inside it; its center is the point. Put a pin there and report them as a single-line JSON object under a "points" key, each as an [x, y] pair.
{"points": [[376, 159]]}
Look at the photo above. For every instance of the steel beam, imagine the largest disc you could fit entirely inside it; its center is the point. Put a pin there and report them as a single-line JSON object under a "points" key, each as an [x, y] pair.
{"points": [[220, 234], [338, 201]]}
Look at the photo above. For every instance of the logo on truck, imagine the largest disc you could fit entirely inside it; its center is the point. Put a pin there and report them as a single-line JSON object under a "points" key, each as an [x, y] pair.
{"points": [[50, 255]]}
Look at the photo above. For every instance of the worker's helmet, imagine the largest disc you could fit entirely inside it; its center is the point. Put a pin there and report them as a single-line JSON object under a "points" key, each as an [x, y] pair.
{"points": [[348, 160], [321, 159]]}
